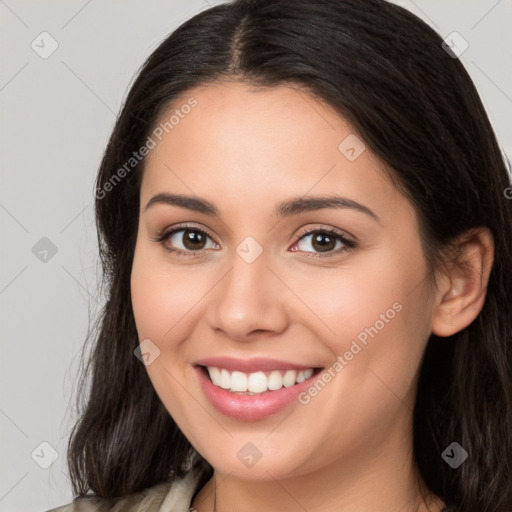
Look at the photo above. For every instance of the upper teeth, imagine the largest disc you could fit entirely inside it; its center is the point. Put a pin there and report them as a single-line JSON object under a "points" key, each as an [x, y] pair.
{"points": [[257, 382]]}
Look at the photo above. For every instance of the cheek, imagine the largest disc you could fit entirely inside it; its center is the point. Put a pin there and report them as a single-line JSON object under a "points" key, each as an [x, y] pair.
{"points": [[163, 296], [163, 303], [382, 289], [375, 317], [166, 303]]}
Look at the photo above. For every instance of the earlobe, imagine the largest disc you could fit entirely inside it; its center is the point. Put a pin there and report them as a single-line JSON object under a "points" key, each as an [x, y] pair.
{"points": [[461, 295]]}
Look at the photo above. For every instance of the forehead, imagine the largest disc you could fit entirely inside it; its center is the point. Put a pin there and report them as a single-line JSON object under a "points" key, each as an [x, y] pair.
{"points": [[241, 144]]}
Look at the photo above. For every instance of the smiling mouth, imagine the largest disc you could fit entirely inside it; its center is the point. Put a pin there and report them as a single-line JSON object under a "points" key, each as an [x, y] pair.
{"points": [[256, 383]]}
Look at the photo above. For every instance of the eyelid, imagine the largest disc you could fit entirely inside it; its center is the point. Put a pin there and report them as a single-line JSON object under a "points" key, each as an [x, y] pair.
{"points": [[323, 227], [168, 231], [350, 242], [302, 232]]}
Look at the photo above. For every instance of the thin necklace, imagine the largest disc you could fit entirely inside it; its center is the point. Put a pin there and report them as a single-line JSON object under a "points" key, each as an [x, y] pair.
{"points": [[215, 493]]}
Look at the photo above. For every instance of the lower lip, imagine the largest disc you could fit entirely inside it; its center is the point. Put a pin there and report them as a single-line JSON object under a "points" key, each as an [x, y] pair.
{"points": [[251, 407]]}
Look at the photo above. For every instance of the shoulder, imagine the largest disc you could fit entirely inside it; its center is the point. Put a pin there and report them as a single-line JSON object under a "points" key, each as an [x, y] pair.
{"points": [[172, 496], [149, 500]]}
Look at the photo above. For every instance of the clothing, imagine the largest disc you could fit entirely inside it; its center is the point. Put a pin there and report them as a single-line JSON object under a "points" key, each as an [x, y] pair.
{"points": [[164, 497]]}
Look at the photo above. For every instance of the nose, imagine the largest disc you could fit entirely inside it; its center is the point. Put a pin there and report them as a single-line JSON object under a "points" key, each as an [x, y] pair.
{"points": [[248, 302]]}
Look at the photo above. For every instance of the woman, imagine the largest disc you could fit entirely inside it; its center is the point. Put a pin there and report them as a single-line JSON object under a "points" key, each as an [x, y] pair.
{"points": [[304, 229]]}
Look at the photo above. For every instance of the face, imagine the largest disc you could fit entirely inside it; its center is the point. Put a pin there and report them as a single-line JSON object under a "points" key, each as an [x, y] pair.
{"points": [[326, 304]]}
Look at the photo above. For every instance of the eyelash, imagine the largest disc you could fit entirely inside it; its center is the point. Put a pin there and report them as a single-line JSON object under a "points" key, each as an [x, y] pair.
{"points": [[165, 234]]}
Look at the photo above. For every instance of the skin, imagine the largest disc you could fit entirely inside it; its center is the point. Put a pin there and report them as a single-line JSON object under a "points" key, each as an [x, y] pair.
{"points": [[350, 447]]}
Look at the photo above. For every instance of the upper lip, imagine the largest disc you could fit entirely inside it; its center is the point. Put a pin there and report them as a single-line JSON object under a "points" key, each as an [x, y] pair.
{"points": [[251, 365]]}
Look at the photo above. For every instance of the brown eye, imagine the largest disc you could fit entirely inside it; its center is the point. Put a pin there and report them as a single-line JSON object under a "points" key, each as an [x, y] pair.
{"points": [[324, 241], [185, 240], [192, 239]]}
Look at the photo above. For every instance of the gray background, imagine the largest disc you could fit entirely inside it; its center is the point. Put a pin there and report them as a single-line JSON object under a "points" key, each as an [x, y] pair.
{"points": [[57, 114]]}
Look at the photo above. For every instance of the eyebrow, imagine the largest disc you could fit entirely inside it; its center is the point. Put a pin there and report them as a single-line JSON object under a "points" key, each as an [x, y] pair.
{"points": [[292, 206]]}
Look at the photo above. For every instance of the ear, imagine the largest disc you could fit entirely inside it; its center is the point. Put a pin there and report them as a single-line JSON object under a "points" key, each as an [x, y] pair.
{"points": [[462, 289]]}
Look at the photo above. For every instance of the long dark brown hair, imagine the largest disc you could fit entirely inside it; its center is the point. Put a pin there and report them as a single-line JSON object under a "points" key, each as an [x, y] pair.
{"points": [[416, 108]]}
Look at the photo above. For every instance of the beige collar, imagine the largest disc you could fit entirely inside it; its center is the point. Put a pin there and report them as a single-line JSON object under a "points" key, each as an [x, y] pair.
{"points": [[180, 494]]}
